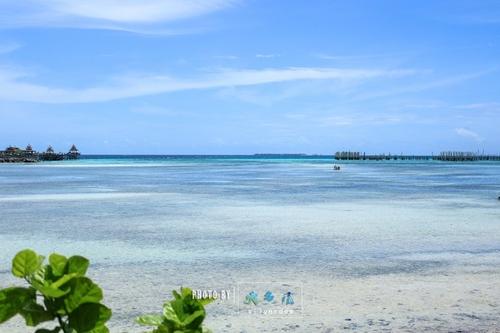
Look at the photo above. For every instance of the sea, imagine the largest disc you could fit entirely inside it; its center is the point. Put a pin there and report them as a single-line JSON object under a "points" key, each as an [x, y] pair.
{"points": [[371, 217]]}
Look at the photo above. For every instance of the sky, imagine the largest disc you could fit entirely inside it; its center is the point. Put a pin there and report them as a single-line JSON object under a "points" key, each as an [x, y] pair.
{"points": [[250, 76]]}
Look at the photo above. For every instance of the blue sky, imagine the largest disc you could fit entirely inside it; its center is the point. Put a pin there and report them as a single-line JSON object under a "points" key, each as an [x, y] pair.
{"points": [[249, 76]]}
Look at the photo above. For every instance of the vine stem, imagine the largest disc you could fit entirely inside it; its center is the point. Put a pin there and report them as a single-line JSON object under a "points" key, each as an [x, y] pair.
{"points": [[61, 323]]}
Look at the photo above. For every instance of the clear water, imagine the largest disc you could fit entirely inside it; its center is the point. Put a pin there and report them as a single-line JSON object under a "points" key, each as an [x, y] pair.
{"points": [[369, 218]]}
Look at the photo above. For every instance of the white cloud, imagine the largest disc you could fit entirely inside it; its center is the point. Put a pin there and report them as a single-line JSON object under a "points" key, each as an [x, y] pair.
{"points": [[130, 15], [467, 133], [15, 87]]}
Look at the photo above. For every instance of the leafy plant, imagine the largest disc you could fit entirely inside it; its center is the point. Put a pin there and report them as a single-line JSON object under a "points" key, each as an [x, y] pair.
{"points": [[183, 314], [58, 291]]}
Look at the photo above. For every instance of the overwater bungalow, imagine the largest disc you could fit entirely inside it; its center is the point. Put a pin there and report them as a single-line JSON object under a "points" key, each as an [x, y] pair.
{"points": [[14, 154], [29, 150], [73, 153], [11, 150], [51, 155]]}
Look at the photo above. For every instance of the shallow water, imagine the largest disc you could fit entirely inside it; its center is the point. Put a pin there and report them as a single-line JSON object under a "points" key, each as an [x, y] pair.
{"points": [[369, 218]]}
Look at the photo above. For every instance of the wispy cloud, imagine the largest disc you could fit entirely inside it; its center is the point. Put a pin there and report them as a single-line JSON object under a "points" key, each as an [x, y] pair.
{"points": [[448, 81], [359, 119], [469, 134], [480, 106], [226, 57], [15, 87], [362, 57], [267, 56], [9, 47], [151, 110], [265, 97], [128, 15], [325, 56], [481, 19]]}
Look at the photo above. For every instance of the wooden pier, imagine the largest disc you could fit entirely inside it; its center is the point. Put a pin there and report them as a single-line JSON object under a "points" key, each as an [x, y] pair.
{"points": [[450, 156]]}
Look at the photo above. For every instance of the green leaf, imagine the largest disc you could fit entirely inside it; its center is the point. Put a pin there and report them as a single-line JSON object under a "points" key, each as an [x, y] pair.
{"points": [[194, 320], [183, 314], [170, 314], [12, 300], [186, 292], [89, 317], [176, 294], [63, 280], [83, 290], [58, 263], [49, 291], [40, 274], [35, 314], [150, 320], [25, 263], [163, 329], [100, 329], [78, 265]]}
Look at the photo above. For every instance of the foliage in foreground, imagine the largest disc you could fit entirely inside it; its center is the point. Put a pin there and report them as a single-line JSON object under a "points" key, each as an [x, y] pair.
{"points": [[58, 291], [182, 314]]}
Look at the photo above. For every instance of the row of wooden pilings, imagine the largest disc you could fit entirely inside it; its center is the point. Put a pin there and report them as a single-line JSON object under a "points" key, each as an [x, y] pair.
{"points": [[444, 156]]}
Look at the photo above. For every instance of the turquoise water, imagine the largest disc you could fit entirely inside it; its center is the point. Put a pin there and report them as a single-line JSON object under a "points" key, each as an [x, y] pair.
{"points": [[369, 218]]}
